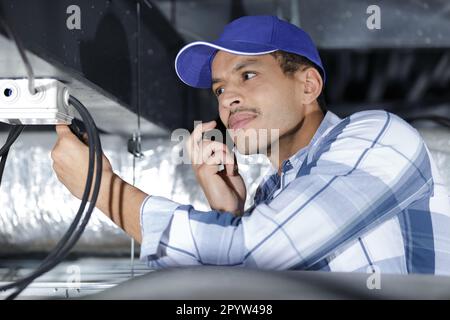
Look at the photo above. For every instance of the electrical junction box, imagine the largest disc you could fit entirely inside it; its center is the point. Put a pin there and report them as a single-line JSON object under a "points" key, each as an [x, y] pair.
{"points": [[49, 105]]}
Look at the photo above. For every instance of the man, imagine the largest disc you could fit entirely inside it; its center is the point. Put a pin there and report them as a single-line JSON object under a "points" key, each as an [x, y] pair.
{"points": [[354, 194]]}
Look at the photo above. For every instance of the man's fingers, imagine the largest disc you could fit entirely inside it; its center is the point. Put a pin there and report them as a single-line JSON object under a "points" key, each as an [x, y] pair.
{"points": [[85, 138], [62, 129], [197, 134], [195, 138], [216, 159], [218, 150]]}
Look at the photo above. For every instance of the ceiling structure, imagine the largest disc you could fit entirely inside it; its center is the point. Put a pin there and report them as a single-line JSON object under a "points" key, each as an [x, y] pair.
{"points": [[404, 66]]}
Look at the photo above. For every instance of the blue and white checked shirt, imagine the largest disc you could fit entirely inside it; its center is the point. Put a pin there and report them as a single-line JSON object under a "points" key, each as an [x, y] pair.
{"points": [[363, 196]]}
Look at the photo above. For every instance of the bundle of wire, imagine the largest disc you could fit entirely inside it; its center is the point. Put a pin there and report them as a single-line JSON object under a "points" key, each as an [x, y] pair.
{"points": [[12, 137], [70, 238]]}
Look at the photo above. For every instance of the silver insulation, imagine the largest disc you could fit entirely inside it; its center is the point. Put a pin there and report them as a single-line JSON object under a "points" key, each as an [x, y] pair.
{"points": [[36, 209]]}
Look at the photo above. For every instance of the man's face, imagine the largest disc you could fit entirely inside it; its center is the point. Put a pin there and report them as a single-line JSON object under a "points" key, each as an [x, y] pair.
{"points": [[253, 94]]}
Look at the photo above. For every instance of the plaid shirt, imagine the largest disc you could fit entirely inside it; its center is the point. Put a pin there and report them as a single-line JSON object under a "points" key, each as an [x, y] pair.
{"points": [[363, 196]]}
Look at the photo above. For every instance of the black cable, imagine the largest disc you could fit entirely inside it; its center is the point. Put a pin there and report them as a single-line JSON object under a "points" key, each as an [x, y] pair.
{"points": [[75, 222], [64, 246], [92, 130], [64, 250], [22, 283], [73, 234], [14, 132], [2, 165]]}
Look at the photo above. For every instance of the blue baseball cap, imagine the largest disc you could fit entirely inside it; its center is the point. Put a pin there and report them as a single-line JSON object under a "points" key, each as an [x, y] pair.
{"points": [[250, 35]]}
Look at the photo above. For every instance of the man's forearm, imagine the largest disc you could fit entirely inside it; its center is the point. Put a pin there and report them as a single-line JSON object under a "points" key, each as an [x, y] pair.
{"points": [[121, 202]]}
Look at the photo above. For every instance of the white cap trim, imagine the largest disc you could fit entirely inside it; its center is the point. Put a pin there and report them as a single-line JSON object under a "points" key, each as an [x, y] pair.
{"points": [[204, 43]]}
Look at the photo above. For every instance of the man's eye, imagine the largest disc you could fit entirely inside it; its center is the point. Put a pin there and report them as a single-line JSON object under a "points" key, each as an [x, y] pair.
{"points": [[248, 75], [218, 91]]}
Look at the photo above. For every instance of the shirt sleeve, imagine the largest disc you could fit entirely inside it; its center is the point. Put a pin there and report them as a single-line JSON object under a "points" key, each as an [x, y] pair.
{"points": [[175, 234], [156, 214], [355, 177]]}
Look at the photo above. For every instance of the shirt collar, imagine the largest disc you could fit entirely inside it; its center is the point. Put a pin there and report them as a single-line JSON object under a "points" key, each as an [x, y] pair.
{"points": [[295, 161]]}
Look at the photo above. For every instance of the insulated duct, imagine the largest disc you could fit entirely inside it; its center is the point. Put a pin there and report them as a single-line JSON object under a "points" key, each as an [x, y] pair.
{"points": [[37, 208]]}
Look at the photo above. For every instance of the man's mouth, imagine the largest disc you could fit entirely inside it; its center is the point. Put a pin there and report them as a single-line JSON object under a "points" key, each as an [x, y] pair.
{"points": [[240, 119]]}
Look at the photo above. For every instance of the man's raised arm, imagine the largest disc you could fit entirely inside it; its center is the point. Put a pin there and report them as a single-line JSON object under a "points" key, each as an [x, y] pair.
{"points": [[117, 199]]}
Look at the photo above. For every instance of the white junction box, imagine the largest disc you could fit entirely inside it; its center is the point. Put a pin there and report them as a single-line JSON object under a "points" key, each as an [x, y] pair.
{"points": [[49, 105]]}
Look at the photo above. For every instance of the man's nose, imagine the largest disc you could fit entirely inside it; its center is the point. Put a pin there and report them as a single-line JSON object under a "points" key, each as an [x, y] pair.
{"points": [[231, 100]]}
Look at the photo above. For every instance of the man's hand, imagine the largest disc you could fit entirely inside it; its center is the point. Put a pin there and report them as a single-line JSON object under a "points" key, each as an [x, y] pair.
{"points": [[224, 189], [71, 161], [117, 199]]}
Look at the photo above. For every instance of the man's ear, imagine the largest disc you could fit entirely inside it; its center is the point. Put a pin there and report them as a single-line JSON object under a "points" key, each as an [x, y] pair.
{"points": [[312, 84]]}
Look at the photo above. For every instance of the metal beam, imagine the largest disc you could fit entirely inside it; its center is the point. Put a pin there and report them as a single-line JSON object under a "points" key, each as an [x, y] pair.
{"points": [[99, 60]]}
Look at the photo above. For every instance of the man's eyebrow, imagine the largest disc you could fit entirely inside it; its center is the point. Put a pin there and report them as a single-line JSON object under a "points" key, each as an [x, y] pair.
{"points": [[237, 67]]}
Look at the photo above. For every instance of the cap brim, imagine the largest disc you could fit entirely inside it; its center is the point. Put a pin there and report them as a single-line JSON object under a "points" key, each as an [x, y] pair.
{"points": [[193, 62]]}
